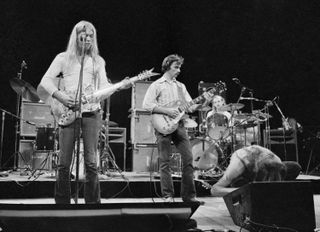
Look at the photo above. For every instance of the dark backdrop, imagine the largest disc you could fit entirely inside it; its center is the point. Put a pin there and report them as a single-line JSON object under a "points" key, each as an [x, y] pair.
{"points": [[270, 45]]}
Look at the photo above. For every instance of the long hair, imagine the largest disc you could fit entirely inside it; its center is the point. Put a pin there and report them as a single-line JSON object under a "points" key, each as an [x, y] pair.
{"points": [[270, 170], [74, 49]]}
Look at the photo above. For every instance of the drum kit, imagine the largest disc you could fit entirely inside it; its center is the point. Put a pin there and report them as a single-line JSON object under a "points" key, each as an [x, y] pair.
{"points": [[44, 151], [221, 132]]}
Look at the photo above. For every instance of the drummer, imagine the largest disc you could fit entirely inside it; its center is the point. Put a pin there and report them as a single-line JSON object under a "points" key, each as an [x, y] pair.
{"points": [[217, 102], [217, 117]]}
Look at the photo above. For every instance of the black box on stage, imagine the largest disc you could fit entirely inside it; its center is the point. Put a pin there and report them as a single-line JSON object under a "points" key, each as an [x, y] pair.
{"points": [[274, 204]]}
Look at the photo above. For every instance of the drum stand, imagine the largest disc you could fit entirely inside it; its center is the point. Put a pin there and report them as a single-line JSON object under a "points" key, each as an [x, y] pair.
{"points": [[106, 154]]}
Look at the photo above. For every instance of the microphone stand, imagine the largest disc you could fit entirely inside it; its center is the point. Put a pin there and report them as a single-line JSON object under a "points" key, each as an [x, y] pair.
{"points": [[79, 122], [17, 131]]}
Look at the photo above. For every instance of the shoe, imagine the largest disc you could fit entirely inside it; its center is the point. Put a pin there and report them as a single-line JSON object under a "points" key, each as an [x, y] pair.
{"points": [[193, 200], [168, 200]]}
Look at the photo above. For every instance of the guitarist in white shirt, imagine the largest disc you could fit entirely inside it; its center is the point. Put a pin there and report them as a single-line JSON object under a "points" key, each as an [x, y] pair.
{"points": [[83, 40], [160, 98]]}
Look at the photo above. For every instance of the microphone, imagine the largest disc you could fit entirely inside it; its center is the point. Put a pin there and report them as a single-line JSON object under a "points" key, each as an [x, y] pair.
{"points": [[24, 65], [30, 123], [275, 98], [237, 81]]}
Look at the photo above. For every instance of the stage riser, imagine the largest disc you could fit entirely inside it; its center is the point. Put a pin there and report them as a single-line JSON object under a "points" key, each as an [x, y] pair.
{"points": [[109, 189]]}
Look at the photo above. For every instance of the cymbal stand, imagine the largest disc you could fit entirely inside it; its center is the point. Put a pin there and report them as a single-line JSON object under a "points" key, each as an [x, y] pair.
{"points": [[17, 126], [107, 155], [1, 138]]}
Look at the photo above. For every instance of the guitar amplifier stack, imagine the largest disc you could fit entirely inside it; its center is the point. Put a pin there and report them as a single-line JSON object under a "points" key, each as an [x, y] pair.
{"points": [[144, 152], [36, 134]]}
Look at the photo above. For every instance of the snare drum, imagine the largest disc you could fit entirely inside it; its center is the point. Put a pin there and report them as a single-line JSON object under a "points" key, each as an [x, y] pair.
{"points": [[45, 139], [217, 124], [205, 154]]}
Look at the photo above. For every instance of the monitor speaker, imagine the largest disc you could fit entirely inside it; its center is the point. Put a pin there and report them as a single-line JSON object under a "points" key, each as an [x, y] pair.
{"points": [[261, 205]]}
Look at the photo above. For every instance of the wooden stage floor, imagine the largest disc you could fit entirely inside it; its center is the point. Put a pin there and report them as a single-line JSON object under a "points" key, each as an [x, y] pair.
{"points": [[212, 216]]}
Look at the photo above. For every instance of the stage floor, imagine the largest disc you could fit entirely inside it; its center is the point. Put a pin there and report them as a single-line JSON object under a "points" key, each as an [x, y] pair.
{"points": [[213, 215]]}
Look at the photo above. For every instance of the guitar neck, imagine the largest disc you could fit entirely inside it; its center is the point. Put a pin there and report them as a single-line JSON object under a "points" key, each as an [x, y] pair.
{"points": [[195, 101]]}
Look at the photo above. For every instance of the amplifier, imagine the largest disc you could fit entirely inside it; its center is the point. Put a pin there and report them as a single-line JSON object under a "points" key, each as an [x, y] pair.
{"points": [[139, 89], [37, 113], [141, 128]]}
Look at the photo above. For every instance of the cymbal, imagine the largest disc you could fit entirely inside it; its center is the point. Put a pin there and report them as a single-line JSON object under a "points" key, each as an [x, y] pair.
{"points": [[190, 123], [204, 108], [262, 116], [111, 124], [24, 89], [247, 125], [231, 106]]}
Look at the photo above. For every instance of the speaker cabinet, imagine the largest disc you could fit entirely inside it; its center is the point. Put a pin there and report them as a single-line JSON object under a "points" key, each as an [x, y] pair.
{"points": [[37, 113], [145, 158], [139, 90], [142, 130], [26, 150], [273, 204]]}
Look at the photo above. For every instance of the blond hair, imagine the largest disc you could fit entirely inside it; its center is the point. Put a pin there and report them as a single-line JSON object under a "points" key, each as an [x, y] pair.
{"points": [[73, 50]]}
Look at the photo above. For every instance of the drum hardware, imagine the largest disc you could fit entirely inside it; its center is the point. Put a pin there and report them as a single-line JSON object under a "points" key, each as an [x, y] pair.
{"points": [[25, 90], [107, 157], [231, 107], [16, 154]]}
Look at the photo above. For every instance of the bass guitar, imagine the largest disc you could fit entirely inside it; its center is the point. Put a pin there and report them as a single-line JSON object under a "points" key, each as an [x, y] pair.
{"points": [[166, 124], [65, 115]]}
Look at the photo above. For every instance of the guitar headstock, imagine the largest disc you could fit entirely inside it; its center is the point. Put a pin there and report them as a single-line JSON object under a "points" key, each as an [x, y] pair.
{"points": [[220, 87], [146, 74]]}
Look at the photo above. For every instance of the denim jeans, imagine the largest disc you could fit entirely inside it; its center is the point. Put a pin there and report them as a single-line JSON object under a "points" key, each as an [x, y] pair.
{"points": [[90, 126], [182, 143]]}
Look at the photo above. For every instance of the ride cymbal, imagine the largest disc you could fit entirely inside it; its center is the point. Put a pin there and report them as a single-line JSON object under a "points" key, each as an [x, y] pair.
{"points": [[24, 89], [231, 107]]}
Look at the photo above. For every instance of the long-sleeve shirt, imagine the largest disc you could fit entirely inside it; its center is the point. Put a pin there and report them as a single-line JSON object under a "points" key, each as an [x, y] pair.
{"points": [[94, 77], [163, 92]]}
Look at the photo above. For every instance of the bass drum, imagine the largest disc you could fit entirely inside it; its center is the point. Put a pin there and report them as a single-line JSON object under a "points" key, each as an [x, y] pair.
{"points": [[205, 154], [217, 125]]}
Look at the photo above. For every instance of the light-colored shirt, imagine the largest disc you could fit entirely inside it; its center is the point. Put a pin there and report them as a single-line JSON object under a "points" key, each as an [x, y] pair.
{"points": [[163, 92], [94, 77]]}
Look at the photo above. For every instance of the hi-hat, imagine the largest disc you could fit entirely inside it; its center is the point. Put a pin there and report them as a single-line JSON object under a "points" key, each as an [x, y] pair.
{"points": [[24, 89], [231, 107]]}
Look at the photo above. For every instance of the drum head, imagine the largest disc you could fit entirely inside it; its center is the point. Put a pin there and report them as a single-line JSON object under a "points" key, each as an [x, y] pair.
{"points": [[218, 126], [190, 123], [205, 155]]}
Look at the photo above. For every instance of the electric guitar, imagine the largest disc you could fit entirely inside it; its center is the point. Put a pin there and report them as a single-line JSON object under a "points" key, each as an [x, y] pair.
{"points": [[65, 116], [166, 124]]}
